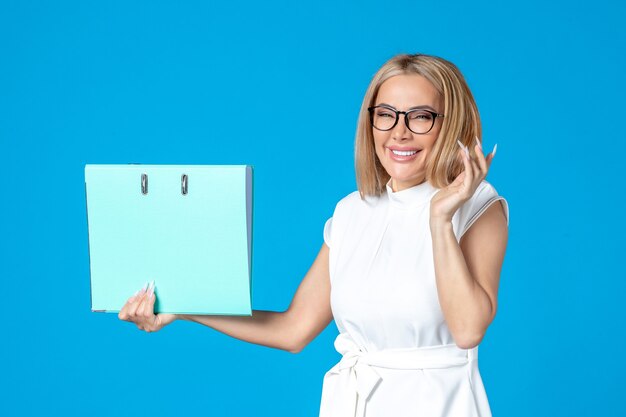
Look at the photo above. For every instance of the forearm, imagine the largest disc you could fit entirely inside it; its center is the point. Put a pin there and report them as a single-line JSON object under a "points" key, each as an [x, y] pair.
{"points": [[267, 328], [465, 304]]}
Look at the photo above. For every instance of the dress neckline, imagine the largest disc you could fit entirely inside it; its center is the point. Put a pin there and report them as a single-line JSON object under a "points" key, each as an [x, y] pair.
{"points": [[413, 196]]}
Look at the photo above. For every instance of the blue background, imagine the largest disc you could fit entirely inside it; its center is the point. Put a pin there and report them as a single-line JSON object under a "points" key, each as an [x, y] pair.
{"points": [[278, 85]]}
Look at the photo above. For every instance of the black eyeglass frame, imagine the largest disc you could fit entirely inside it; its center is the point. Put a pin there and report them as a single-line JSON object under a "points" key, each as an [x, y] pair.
{"points": [[406, 120]]}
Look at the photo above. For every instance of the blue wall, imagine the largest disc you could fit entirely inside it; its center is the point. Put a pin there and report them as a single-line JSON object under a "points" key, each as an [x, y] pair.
{"points": [[183, 83]]}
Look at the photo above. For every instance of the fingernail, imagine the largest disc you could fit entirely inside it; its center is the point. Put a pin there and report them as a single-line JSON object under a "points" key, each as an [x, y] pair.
{"points": [[460, 144], [494, 150], [144, 288], [137, 293], [478, 143], [463, 147]]}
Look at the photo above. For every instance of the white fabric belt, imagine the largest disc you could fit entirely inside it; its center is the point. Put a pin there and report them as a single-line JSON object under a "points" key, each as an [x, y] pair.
{"points": [[356, 369]]}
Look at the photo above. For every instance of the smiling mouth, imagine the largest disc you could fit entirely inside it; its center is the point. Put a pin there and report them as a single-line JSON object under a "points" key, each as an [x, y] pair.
{"points": [[404, 153]]}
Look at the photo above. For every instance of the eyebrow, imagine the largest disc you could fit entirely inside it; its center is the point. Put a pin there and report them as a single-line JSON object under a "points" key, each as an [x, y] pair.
{"points": [[424, 106]]}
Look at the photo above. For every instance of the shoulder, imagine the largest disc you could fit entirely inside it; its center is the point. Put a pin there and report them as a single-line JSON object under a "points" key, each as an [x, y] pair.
{"points": [[485, 187], [353, 198], [350, 212], [484, 196], [353, 202]]}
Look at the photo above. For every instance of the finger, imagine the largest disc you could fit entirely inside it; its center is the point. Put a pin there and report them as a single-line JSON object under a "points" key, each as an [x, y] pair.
{"points": [[142, 293], [147, 309], [463, 157], [134, 297], [123, 314], [458, 180], [134, 307], [139, 315], [489, 159], [491, 155], [480, 157], [469, 170], [127, 311], [148, 316], [476, 169], [463, 151]]}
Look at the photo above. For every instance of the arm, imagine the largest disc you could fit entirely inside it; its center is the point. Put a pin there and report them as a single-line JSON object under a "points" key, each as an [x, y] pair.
{"points": [[468, 273], [308, 314], [267, 328]]}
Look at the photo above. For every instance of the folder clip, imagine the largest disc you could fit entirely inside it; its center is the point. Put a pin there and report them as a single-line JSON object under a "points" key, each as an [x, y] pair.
{"points": [[144, 184], [183, 184]]}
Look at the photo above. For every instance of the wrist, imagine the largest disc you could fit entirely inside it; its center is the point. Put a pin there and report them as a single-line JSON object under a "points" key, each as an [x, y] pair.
{"points": [[440, 223]]}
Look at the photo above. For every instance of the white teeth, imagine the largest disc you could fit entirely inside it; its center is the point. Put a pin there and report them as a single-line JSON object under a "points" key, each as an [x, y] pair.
{"points": [[403, 153]]}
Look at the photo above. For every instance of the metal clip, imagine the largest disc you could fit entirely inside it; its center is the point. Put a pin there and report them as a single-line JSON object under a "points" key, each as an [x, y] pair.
{"points": [[144, 184], [183, 184]]}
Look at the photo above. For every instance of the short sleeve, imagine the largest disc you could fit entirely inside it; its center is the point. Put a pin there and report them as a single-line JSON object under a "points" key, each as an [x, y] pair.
{"points": [[484, 196], [327, 230]]}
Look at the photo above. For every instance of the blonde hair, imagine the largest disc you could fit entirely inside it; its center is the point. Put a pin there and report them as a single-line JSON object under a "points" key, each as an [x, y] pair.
{"points": [[461, 121]]}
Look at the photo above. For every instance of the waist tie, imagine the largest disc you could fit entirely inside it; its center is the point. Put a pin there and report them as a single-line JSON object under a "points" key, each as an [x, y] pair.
{"points": [[349, 384]]}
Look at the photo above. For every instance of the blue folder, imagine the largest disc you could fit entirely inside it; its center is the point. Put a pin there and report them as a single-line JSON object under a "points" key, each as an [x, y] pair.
{"points": [[187, 227]]}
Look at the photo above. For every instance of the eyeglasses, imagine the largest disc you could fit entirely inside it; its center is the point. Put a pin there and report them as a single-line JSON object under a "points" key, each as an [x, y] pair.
{"points": [[418, 121]]}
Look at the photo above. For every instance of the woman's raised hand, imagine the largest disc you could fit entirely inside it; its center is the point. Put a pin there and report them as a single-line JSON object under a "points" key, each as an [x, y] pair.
{"points": [[139, 309], [447, 200]]}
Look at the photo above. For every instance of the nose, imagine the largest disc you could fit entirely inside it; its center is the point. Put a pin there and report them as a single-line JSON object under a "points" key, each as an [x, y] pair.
{"points": [[400, 130]]}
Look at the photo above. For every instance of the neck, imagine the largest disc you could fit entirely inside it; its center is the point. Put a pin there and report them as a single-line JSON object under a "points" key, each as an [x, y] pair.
{"points": [[403, 185]]}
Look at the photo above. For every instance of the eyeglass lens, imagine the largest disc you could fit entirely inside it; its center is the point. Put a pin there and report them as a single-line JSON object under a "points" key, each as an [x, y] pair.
{"points": [[419, 121]]}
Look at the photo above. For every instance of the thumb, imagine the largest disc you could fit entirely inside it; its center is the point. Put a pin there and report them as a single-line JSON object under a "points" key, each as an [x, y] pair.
{"points": [[163, 319]]}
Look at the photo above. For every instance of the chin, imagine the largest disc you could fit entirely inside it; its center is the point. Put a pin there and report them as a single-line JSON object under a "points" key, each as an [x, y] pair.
{"points": [[404, 175], [403, 171]]}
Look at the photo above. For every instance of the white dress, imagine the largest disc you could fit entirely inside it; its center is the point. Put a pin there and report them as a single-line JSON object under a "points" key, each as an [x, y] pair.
{"points": [[399, 357]]}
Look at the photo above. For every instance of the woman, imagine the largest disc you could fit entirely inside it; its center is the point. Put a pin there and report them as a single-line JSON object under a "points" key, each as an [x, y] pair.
{"points": [[414, 287]]}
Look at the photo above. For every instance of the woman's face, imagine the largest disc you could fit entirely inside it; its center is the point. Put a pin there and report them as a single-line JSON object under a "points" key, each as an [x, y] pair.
{"points": [[403, 92]]}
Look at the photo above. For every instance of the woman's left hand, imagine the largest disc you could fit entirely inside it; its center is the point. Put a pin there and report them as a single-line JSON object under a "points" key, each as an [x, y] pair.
{"points": [[446, 202]]}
